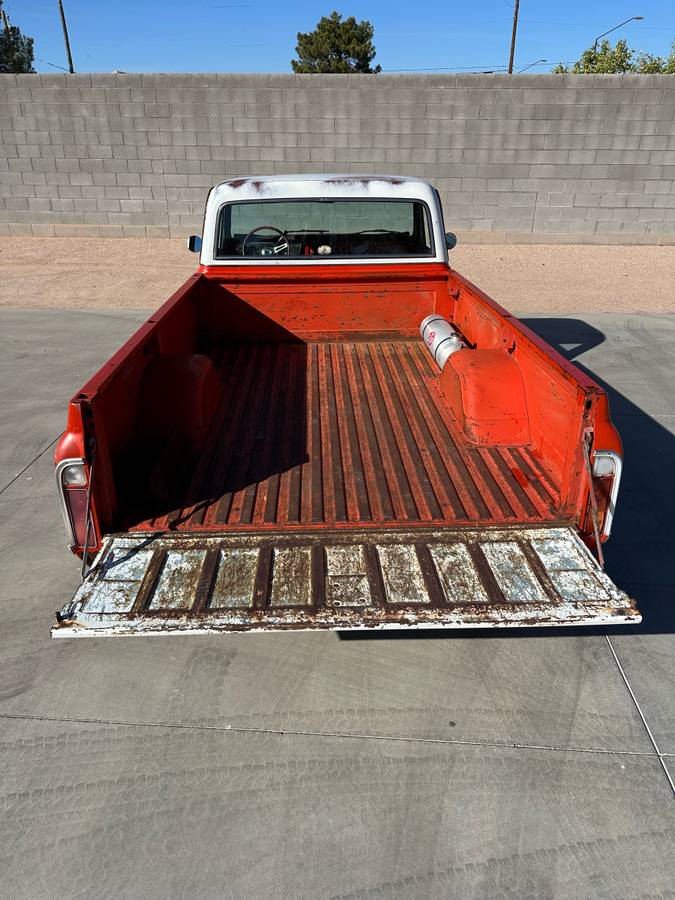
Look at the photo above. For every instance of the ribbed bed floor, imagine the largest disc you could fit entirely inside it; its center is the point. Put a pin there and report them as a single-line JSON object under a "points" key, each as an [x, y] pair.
{"points": [[346, 434]]}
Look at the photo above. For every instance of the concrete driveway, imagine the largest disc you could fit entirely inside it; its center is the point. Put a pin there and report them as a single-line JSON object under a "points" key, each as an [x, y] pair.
{"points": [[310, 765]]}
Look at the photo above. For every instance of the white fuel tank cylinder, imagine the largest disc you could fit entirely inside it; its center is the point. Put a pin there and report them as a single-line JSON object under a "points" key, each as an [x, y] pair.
{"points": [[440, 338]]}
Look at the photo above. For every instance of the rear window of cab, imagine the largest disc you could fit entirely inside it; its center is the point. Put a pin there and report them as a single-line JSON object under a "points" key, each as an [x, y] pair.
{"points": [[320, 228]]}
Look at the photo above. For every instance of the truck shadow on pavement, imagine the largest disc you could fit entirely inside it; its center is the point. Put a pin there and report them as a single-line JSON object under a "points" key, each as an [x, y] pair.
{"points": [[639, 554]]}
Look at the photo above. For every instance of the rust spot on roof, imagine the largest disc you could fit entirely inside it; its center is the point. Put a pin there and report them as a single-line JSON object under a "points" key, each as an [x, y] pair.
{"points": [[258, 184], [363, 179]]}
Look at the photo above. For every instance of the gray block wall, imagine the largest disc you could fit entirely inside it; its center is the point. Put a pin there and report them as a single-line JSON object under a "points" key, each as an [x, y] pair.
{"points": [[547, 158]]}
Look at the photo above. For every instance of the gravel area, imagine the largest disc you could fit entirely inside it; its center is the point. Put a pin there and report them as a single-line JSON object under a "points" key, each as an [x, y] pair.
{"points": [[131, 273]]}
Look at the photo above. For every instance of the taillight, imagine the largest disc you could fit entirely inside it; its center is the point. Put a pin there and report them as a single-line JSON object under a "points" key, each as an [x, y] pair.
{"points": [[607, 477], [72, 487]]}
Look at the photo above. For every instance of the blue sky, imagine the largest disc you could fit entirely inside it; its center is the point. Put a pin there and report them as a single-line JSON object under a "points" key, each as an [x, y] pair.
{"points": [[260, 35]]}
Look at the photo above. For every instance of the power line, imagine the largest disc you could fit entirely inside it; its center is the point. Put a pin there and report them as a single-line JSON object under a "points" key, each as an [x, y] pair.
{"points": [[53, 65], [448, 68], [475, 68], [592, 24]]}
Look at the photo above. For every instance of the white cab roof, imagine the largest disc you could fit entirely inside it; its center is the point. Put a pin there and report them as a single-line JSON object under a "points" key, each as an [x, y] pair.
{"points": [[346, 187]]}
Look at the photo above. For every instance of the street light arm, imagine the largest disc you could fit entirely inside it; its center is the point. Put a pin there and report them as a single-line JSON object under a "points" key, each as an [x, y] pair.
{"points": [[525, 68], [632, 19]]}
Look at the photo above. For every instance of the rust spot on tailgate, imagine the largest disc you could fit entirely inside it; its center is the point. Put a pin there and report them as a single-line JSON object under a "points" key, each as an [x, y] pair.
{"points": [[342, 580]]}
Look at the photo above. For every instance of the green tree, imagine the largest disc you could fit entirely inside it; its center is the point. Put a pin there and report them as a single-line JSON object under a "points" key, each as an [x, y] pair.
{"points": [[16, 50], [657, 65], [336, 45], [603, 59]]}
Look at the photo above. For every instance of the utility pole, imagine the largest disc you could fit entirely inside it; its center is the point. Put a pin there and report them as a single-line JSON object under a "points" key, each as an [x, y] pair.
{"points": [[65, 38], [513, 35]]}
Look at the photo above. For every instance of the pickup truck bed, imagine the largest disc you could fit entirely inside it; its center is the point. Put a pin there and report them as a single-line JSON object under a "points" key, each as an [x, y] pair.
{"points": [[352, 433], [276, 447]]}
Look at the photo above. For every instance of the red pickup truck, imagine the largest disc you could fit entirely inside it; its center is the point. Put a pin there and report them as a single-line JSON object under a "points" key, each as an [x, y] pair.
{"points": [[327, 426]]}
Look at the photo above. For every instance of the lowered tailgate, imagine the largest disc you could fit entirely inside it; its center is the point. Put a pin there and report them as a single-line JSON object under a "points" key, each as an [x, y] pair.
{"points": [[487, 577]]}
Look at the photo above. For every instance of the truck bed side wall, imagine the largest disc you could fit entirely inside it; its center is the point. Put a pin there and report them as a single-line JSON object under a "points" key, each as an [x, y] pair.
{"points": [[110, 406]]}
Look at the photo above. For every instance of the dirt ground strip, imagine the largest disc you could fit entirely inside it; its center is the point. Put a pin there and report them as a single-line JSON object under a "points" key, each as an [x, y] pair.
{"points": [[137, 273]]}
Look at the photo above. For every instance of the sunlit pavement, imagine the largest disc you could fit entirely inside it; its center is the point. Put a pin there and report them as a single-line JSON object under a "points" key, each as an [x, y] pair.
{"points": [[308, 765]]}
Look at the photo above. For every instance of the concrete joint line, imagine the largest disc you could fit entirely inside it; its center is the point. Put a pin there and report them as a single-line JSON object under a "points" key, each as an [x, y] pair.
{"points": [[660, 756], [27, 467], [284, 732]]}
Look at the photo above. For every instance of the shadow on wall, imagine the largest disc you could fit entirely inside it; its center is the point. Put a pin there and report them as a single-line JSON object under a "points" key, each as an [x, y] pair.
{"points": [[639, 554]]}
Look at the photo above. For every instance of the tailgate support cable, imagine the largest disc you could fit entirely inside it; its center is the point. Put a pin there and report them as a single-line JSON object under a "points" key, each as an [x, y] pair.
{"points": [[84, 569], [588, 438]]}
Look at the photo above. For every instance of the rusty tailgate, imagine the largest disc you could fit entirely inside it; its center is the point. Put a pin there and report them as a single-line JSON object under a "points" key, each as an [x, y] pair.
{"points": [[146, 584]]}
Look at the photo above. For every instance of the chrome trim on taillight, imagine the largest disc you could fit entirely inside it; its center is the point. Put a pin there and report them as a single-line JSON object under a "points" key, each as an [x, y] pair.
{"points": [[617, 462], [61, 491]]}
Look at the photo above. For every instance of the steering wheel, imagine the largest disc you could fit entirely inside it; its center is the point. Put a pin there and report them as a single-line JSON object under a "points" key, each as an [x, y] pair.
{"points": [[281, 247]]}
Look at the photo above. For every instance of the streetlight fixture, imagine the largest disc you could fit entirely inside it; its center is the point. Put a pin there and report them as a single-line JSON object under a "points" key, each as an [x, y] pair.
{"points": [[532, 64], [632, 19]]}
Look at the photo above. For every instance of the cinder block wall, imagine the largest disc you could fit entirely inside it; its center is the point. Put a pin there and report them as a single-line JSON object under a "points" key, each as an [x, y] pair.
{"points": [[523, 158]]}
